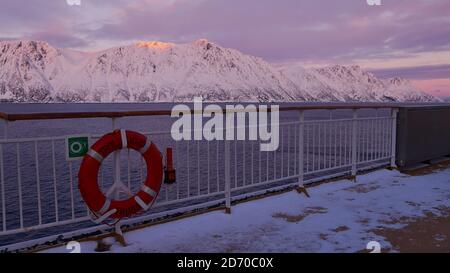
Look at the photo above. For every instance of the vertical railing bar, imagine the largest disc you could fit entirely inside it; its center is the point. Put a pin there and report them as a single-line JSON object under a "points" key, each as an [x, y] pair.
{"points": [[374, 154], [116, 159], [71, 190], [188, 171], [19, 181], [361, 140], [378, 138], [347, 157], [235, 164], [349, 143], [372, 147], [301, 146], [282, 150], [340, 143], [354, 135], [5, 129], [313, 147], [366, 145], [327, 144], [387, 137], [267, 165], [295, 149], [55, 190], [367, 140], [141, 168], [102, 176], [328, 141], [129, 168], [343, 155], [243, 163], [383, 144], [331, 145], [2, 177], [198, 168], [375, 142], [358, 147], [289, 151], [393, 137], [384, 130], [335, 143], [38, 182], [307, 146], [209, 167], [166, 192], [343, 135], [253, 167], [319, 144], [259, 163], [324, 145], [227, 176], [357, 143], [177, 168], [217, 165], [274, 165]]}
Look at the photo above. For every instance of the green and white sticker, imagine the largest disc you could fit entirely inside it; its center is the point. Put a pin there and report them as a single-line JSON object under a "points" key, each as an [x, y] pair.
{"points": [[76, 147]]}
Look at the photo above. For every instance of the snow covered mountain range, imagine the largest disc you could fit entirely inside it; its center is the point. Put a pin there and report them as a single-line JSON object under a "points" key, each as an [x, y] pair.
{"points": [[34, 71]]}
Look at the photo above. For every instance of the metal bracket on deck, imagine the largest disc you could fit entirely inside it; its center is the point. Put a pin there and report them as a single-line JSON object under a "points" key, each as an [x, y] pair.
{"points": [[302, 189], [118, 235], [352, 178]]}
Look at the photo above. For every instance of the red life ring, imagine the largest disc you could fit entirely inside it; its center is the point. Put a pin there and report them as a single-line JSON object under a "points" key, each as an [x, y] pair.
{"points": [[97, 202]]}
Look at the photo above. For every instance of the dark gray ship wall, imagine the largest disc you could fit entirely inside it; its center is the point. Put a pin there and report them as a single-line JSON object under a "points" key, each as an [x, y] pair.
{"points": [[423, 134]]}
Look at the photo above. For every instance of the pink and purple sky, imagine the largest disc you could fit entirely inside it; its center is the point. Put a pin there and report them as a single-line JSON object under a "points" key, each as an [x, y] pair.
{"points": [[407, 38]]}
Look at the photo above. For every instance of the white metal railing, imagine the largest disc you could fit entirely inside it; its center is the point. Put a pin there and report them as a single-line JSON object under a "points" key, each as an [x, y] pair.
{"points": [[39, 187]]}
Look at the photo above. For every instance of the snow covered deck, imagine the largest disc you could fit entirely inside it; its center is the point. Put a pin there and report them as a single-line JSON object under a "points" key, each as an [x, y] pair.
{"points": [[392, 208]]}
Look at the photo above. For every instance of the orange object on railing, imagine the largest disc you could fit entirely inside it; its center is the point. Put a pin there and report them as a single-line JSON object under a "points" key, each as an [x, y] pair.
{"points": [[169, 172]]}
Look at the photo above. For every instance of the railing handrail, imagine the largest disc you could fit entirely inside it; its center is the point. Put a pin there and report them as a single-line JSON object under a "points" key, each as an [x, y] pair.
{"points": [[119, 114]]}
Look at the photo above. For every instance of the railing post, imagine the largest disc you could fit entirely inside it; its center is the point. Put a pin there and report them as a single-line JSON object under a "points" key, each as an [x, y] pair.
{"points": [[354, 143], [2, 177], [116, 158], [5, 129], [301, 143], [394, 112], [227, 177]]}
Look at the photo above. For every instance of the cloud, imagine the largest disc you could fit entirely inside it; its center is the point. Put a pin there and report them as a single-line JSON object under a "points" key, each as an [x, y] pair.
{"points": [[277, 30]]}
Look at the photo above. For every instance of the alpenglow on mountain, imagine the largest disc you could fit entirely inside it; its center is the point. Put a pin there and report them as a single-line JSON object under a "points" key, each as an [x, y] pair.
{"points": [[34, 71]]}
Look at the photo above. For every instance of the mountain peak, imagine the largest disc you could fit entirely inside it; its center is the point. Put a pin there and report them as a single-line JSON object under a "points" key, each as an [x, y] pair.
{"points": [[154, 45], [202, 42]]}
